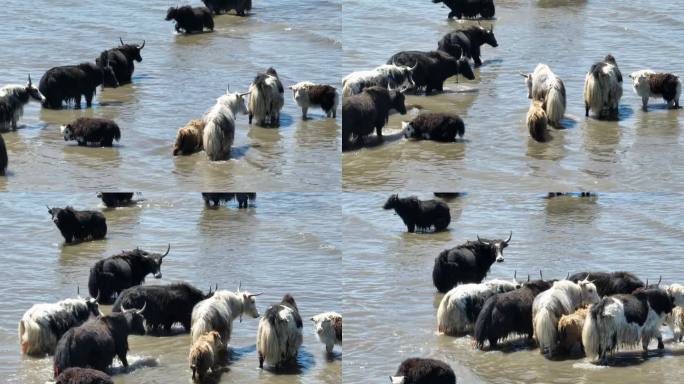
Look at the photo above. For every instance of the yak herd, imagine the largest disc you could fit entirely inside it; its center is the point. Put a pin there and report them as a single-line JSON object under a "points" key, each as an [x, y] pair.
{"points": [[84, 341], [588, 313]]}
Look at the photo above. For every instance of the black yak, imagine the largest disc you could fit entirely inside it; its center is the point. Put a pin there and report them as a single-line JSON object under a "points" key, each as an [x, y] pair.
{"points": [[467, 263], [75, 375], [216, 198], [508, 313], [116, 199], [191, 19], [368, 110], [432, 68], [610, 283], [469, 8], [69, 83], [438, 126], [3, 157], [12, 100], [127, 269], [307, 94], [79, 225], [166, 304], [92, 131], [95, 343], [122, 59], [220, 6], [423, 371], [467, 42], [420, 214]]}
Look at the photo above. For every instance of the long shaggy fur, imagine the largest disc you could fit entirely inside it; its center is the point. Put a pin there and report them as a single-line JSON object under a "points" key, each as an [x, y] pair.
{"points": [[307, 94], [79, 225], [266, 99], [647, 84], [545, 86], [189, 139], [675, 321], [92, 131], [204, 354], [279, 335], [218, 312], [4, 160], [570, 331], [369, 110], [603, 89], [423, 371], [419, 214], [76, 375], [191, 19], [537, 122], [328, 329], [438, 126], [219, 131], [388, 76], [468, 42], [12, 101]]}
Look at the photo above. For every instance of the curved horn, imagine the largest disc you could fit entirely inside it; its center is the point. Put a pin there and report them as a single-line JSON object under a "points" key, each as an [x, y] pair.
{"points": [[659, 280], [142, 46], [97, 298], [121, 40], [141, 310], [256, 294], [167, 251], [414, 66], [245, 94], [541, 277], [29, 83], [510, 236], [525, 75]]}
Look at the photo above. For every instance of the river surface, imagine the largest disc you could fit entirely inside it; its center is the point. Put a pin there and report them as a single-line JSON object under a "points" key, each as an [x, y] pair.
{"points": [[641, 152], [390, 302], [179, 79], [273, 246]]}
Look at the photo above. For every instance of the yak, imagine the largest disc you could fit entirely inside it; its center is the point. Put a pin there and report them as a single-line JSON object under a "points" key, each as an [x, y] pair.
{"points": [[537, 122], [190, 19], [216, 198], [218, 312], [166, 304], [431, 69], [79, 225], [219, 131], [570, 331], [543, 85], [113, 274], [205, 354], [390, 76], [279, 335], [423, 371], [367, 111], [94, 343], [122, 60], [12, 101], [220, 6], [116, 199], [469, 8], [467, 263], [328, 329], [69, 83], [3, 157], [75, 375], [92, 131], [421, 214], [189, 138], [603, 88], [307, 94], [647, 84], [438, 126], [467, 42], [610, 283], [266, 99]]}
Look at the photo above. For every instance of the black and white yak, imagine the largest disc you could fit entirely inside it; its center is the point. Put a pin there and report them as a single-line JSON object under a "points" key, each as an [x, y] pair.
{"points": [[69, 83], [431, 69], [627, 319], [221, 6], [166, 304], [122, 60], [94, 343], [218, 312], [467, 42], [43, 324], [460, 307], [328, 329], [390, 76], [215, 198], [368, 111], [75, 375], [416, 370], [610, 283], [189, 138], [469, 8], [467, 263], [91, 131], [116, 199], [647, 84], [266, 99], [113, 274], [79, 225], [12, 101], [507, 314], [279, 335], [307, 94], [675, 320], [537, 122], [603, 89], [3, 157], [421, 214], [438, 126], [205, 354], [219, 131], [191, 19], [543, 85], [563, 298]]}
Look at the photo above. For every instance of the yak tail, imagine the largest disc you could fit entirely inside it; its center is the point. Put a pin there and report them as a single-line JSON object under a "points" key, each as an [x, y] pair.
{"points": [[545, 330], [594, 93], [268, 341], [218, 137], [199, 328], [34, 339], [555, 104], [450, 319], [259, 102], [591, 339], [483, 324]]}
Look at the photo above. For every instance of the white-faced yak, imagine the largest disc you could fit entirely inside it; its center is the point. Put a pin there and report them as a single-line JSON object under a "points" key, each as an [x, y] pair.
{"points": [[219, 131], [94, 343], [279, 335], [307, 94], [116, 199], [266, 99], [467, 42], [205, 354], [537, 122], [328, 329], [79, 225], [437, 126], [467, 263], [603, 89], [90, 131], [647, 84], [75, 375], [460, 307], [431, 69], [423, 371], [166, 304], [122, 60], [12, 101], [509, 313], [43, 324], [215, 198], [189, 138], [4, 160], [368, 111], [218, 312], [113, 274], [563, 298], [543, 85], [191, 19], [221, 6], [389, 76], [421, 214], [610, 283]]}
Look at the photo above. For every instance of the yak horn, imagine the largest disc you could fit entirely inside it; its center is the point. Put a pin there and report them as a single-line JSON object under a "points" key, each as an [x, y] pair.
{"points": [[256, 294], [515, 275], [97, 298], [121, 40], [143, 45], [526, 75], [29, 83], [167, 251], [509, 237], [141, 310], [78, 290], [659, 280], [239, 286], [245, 94], [568, 276], [48, 207], [541, 277], [528, 277], [414, 66]]}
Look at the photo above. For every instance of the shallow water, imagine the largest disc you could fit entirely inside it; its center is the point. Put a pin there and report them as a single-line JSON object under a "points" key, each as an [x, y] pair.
{"points": [[640, 152], [274, 247], [179, 79], [390, 303]]}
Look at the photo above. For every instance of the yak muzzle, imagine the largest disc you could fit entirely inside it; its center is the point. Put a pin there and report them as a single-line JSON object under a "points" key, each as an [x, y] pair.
{"points": [[158, 275]]}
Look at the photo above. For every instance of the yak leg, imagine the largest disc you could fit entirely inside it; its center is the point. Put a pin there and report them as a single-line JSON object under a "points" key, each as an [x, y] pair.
{"points": [[476, 57], [304, 109], [586, 108], [644, 102], [89, 99], [329, 348], [250, 118], [411, 227], [77, 102], [261, 360], [122, 357]]}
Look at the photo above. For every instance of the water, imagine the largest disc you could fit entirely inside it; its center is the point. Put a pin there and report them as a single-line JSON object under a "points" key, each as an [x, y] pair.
{"points": [[274, 247], [390, 303], [640, 152], [179, 79]]}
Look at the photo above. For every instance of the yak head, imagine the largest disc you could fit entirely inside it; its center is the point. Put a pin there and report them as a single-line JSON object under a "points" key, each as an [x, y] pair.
{"points": [[495, 246], [465, 69], [153, 261], [409, 130], [236, 101], [68, 132], [135, 319], [62, 215], [248, 302], [488, 36], [33, 92], [610, 59], [588, 292], [170, 14], [392, 202], [108, 76], [398, 101], [132, 51]]}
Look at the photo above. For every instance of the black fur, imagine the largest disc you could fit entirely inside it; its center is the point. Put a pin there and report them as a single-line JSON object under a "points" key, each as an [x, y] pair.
{"points": [[220, 6], [610, 283], [3, 157], [438, 126], [426, 371], [469, 8], [86, 130], [76, 375], [467, 42], [664, 84], [433, 67], [79, 225], [216, 198], [368, 110], [420, 214], [122, 59], [116, 199], [191, 19]]}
